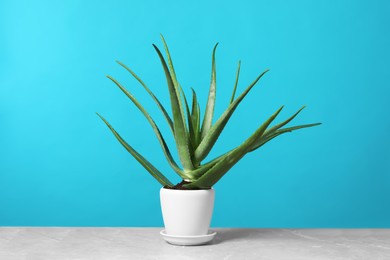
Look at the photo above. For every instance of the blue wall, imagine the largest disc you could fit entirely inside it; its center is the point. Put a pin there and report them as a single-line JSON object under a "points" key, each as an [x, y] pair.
{"points": [[60, 166]]}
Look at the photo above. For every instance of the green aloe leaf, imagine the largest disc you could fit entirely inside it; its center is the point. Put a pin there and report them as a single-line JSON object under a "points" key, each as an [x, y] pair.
{"points": [[160, 106], [191, 129], [145, 163], [198, 172], [268, 136], [156, 130], [236, 82], [181, 136], [205, 167], [213, 175], [276, 127], [280, 125], [195, 117], [212, 135], [264, 139], [170, 64], [172, 74], [209, 112]]}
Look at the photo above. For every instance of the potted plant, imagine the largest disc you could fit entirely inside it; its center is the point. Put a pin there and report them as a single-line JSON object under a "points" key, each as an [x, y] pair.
{"points": [[187, 206]]}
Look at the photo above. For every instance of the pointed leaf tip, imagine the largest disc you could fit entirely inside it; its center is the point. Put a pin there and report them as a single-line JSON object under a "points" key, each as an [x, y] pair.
{"points": [[145, 163], [211, 136], [209, 111]]}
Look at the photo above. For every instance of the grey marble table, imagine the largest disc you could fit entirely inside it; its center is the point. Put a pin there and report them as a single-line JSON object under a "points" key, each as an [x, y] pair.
{"points": [[146, 243]]}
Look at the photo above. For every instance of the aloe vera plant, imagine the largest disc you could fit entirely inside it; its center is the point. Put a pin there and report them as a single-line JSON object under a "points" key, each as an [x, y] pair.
{"points": [[195, 137]]}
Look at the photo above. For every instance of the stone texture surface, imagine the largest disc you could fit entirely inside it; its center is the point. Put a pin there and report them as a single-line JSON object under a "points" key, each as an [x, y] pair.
{"points": [[146, 243]]}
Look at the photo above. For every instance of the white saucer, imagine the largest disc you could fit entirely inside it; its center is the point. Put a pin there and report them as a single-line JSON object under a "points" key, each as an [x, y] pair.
{"points": [[188, 240]]}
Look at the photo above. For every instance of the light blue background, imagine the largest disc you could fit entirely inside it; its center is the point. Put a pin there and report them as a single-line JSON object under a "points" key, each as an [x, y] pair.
{"points": [[60, 166]]}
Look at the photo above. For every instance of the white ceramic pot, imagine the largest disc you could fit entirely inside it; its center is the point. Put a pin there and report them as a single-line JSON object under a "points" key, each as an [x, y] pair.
{"points": [[187, 212]]}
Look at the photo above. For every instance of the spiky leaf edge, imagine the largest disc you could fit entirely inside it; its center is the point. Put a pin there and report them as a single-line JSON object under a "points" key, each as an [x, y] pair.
{"points": [[156, 130], [209, 140], [155, 99], [145, 163], [213, 175], [209, 111], [181, 134]]}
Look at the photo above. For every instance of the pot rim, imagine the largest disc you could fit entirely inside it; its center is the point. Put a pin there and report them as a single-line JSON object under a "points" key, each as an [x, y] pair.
{"points": [[200, 190]]}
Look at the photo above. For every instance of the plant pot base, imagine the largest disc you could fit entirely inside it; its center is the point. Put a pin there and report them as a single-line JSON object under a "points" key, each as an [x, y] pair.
{"points": [[188, 240], [187, 213]]}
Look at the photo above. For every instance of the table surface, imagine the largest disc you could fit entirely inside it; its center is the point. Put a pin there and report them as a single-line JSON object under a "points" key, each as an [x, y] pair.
{"points": [[146, 243]]}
